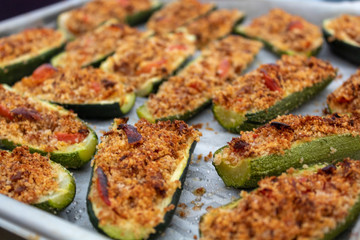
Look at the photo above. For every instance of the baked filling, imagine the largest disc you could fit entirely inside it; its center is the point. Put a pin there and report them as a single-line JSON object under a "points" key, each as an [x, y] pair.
{"points": [[285, 32], [271, 83], [346, 99], [134, 169], [28, 43], [213, 26], [304, 205], [177, 14], [284, 132], [26, 177], [346, 28], [150, 59], [218, 65], [82, 86], [92, 14], [28, 122], [95, 45]]}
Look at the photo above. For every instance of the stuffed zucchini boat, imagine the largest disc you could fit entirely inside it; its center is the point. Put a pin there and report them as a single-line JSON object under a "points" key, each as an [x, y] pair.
{"points": [[342, 35], [138, 173], [91, 93], [311, 204], [21, 53], [146, 63], [35, 180], [270, 90], [283, 33], [177, 14], [287, 141], [88, 17], [187, 94], [215, 25], [94, 47], [45, 128]]}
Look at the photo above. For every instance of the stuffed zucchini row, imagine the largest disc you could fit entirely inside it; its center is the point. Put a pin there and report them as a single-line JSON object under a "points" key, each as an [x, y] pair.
{"points": [[45, 128], [312, 204], [342, 35], [21, 53], [287, 141], [146, 63], [88, 17], [138, 173], [35, 180], [271, 90], [94, 47], [91, 93], [215, 25], [177, 14], [283, 33], [183, 96]]}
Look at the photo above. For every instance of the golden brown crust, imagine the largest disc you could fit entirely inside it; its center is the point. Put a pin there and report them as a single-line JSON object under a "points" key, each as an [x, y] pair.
{"points": [[346, 98], [138, 173], [24, 121], [86, 85], [218, 65], [92, 14], [285, 31], [292, 206], [24, 176], [270, 83], [285, 131], [177, 14], [27, 43], [345, 27]]}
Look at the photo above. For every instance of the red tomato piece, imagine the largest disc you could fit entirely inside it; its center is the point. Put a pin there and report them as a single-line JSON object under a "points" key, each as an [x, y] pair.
{"points": [[269, 82], [224, 67], [101, 183], [96, 86], [147, 68], [42, 73], [294, 25], [178, 47], [70, 137], [5, 112]]}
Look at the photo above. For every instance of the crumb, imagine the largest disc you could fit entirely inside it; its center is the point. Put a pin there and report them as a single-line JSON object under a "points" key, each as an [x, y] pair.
{"points": [[197, 205], [339, 76], [326, 111], [208, 157], [199, 191], [195, 237], [182, 214], [209, 208], [209, 128], [199, 158], [198, 125], [216, 132], [182, 205]]}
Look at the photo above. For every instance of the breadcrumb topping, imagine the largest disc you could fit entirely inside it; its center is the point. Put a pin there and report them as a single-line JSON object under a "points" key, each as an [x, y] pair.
{"points": [[95, 45], [86, 85], [93, 13], [28, 43], [346, 98], [28, 122], [218, 65], [286, 32], [284, 132], [26, 177], [177, 14], [143, 60], [213, 26], [140, 174], [270, 83], [345, 27], [292, 206]]}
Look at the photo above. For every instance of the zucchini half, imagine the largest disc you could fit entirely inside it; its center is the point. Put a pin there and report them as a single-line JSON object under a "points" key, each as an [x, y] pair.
{"points": [[346, 49], [73, 156], [313, 52], [26, 64], [348, 221], [131, 229], [235, 122]]}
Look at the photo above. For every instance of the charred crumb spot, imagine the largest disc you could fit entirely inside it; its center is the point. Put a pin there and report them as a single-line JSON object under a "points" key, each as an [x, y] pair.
{"points": [[108, 133], [281, 126], [107, 83], [239, 145], [83, 131], [330, 169], [132, 134], [335, 115], [16, 176], [20, 189], [123, 157]]}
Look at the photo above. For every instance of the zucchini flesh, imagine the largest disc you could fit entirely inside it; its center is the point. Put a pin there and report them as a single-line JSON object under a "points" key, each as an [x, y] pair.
{"points": [[25, 65], [300, 176], [129, 228], [345, 49], [72, 156]]}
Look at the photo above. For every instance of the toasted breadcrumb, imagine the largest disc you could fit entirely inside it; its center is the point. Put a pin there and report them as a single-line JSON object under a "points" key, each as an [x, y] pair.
{"points": [[345, 27]]}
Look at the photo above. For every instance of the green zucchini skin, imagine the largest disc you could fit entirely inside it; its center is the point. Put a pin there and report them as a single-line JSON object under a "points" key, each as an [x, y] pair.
{"points": [[317, 151], [236, 122], [238, 30], [168, 216], [143, 112], [14, 72], [101, 110], [343, 49], [143, 16]]}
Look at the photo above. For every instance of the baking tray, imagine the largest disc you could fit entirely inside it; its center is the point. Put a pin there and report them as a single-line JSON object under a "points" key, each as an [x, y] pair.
{"points": [[73, 222]]}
